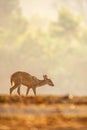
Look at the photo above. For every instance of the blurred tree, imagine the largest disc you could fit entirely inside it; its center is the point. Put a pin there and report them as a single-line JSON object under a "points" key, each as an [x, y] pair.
{"points": [[67, 25], [6, 10], [12, 24]]}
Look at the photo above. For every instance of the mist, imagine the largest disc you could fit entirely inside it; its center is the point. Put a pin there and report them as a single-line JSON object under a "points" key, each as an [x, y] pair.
{"points": [[45, 37]]}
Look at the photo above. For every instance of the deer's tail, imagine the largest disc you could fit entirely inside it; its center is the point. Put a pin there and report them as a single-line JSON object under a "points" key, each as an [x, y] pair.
{"points": [[12, 82]]}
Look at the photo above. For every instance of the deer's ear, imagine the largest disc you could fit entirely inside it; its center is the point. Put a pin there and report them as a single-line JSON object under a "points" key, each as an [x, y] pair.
{"points": [[45, 76]]}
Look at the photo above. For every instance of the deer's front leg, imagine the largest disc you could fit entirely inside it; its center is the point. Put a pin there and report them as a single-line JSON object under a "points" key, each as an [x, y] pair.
{"points": [[27, 91], [34, 90], [18, 90], [14, 87]]}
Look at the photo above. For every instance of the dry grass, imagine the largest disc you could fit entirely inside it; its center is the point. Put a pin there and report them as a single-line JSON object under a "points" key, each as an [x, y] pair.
{"points": [[43, 113], [39, 122]]}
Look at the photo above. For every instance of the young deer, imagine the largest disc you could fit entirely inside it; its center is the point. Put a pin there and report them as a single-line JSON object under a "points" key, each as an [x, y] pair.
{"points": [[31, 82]]}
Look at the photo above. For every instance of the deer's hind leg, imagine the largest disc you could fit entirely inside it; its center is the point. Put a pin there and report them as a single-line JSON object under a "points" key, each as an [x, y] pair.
{"points": [[18, 90], [14, 87]]}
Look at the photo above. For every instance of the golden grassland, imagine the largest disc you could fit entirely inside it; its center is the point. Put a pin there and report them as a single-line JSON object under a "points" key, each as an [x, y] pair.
{"points": [[43, 112]]}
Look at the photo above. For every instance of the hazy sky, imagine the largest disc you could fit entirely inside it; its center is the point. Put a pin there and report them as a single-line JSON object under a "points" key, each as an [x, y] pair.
{"points": [[45, 8], [68, 72]]}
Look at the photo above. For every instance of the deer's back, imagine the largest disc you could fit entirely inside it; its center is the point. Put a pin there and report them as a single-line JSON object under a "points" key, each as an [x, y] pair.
{"points": [[23, 78]]}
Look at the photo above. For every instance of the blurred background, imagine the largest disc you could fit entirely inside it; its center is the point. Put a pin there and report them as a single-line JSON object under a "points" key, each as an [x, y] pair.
{"points": [[45, 37]]}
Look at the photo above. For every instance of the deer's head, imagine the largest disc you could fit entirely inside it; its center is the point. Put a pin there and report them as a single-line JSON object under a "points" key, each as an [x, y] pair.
{"points": [[48, 81]]}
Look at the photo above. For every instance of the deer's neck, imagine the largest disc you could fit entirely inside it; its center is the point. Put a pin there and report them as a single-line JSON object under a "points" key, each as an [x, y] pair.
{"points": [[41, 83]]}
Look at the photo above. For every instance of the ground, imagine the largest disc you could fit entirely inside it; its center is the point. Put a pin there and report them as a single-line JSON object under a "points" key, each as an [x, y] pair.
{"points": [[43, 112]]}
